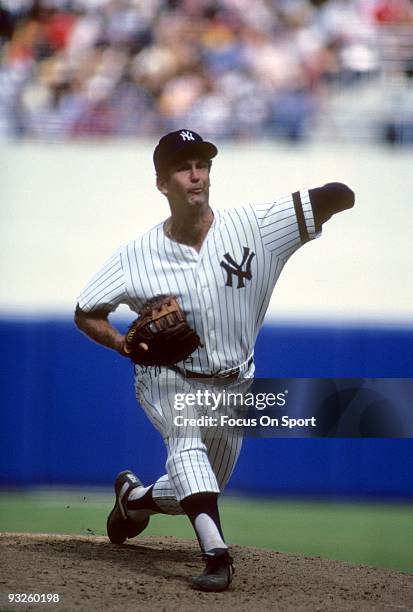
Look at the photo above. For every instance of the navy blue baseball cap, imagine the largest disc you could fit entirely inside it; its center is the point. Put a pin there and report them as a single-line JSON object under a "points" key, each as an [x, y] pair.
{"points": [[177, 145]]}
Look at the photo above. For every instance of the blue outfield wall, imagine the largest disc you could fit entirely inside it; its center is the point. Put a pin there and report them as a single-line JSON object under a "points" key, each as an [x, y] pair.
{"points": [[69, 416]]}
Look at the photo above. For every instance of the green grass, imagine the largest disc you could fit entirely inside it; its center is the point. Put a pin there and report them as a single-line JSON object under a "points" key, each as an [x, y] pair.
{"points": [[373, 534]]}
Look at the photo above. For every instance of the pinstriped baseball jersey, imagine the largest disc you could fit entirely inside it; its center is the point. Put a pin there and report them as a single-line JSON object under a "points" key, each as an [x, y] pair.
{"points": [[224, 289]]}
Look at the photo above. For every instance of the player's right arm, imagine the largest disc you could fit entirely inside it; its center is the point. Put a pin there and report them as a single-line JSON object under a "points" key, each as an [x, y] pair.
{"points": [[97, 326], [105, 291]]}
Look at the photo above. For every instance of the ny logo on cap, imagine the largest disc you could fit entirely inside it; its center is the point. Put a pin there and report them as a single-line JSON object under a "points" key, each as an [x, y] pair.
{"points": [[233, 268], [186, 135]]}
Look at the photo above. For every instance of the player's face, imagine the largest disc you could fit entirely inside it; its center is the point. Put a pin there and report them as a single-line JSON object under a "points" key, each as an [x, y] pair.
{"points": [[187, 184]]}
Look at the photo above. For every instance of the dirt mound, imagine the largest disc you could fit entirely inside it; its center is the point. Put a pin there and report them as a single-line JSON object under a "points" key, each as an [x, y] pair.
{"points": [[151, 574]]}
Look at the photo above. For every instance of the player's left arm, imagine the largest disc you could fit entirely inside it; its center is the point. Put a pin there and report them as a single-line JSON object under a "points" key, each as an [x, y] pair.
{"points": [[328, 200]]}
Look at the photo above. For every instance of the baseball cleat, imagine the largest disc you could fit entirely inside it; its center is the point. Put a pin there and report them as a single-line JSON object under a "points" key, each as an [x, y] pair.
{"points": [[218, 571], [118, 525]]}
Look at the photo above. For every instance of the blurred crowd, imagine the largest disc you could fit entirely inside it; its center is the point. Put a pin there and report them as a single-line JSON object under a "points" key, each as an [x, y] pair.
{"points": [[233, 69]]}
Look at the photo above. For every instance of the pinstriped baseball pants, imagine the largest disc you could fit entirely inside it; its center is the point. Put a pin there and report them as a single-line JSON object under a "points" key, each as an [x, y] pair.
{"points": [[199, 459]]}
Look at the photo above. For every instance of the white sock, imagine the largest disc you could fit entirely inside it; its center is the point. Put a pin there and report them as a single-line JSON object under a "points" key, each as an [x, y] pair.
{"points": [[208, 532]]}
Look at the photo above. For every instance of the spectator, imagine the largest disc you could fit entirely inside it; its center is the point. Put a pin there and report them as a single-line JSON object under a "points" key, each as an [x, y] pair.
{"points": [[133, 67]]}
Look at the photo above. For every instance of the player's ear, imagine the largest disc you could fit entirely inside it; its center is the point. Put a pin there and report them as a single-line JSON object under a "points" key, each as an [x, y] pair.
{"points": [[162, 184]]}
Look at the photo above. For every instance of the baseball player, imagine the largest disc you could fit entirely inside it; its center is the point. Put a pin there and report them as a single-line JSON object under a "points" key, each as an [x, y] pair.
{"points": [[222, 267]]}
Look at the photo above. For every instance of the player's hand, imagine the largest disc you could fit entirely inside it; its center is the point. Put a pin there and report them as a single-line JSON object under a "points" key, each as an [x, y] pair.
{"points": [[123, 349], [142, 345]]}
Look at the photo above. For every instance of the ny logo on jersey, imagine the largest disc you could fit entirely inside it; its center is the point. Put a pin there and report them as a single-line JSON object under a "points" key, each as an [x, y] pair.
{"points": [[186, 135], [232, 268]]}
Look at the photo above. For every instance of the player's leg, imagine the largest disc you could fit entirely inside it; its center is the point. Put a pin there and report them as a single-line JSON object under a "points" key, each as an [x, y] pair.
{"points": [[193, 486], [200, 505], [202, 510], [199, 464], [200, 460], [223, 445], [191, 476], [134, 503], [195, 465]]}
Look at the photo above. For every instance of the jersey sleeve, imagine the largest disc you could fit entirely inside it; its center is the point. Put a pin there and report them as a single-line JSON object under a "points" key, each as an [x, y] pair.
{"points": [[287, 223], [106, 289]]}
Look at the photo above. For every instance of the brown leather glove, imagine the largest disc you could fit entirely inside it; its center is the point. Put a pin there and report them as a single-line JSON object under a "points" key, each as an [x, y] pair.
{"points": [[163, 328]]}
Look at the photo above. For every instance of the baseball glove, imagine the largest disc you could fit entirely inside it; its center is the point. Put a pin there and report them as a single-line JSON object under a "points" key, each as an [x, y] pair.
{"points": [[161, 334]]}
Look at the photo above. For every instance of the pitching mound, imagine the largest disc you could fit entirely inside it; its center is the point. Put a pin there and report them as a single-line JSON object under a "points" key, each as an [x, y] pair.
{"points": [[151, 574]]}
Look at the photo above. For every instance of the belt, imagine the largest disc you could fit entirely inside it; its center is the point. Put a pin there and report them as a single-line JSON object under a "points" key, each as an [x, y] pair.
{"points": [[231, 375]]}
